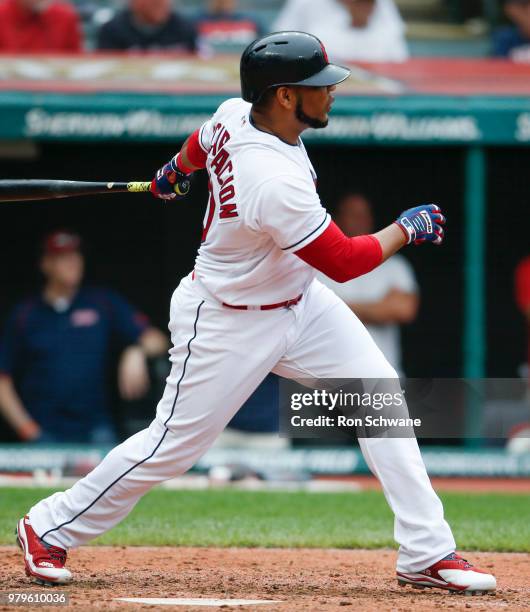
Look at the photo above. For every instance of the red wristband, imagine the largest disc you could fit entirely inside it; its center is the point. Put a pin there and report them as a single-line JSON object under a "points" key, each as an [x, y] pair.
{"points": [[181, 165]]}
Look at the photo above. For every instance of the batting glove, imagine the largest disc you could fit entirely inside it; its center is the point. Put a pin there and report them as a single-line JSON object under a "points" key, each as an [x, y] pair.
{"points": [[170, 183], [422, 224]]}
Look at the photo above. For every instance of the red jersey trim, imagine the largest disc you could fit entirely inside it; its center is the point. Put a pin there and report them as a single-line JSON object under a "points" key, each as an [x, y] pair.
{"points": [[308, 235]]}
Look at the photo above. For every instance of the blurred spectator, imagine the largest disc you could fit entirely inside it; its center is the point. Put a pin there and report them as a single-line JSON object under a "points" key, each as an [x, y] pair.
{"points": [[522, 296], [519, 437], [221, 24], [514, 41], [38, 26], [386, 297], [148, 25], [360, 30], [55, 350]]}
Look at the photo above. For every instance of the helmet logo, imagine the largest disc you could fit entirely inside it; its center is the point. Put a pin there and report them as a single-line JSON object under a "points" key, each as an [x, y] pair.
{"points": [[324, 52]]}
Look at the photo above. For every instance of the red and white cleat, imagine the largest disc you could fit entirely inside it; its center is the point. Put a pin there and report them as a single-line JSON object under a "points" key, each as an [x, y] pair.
{"points": [[453, 574], [44, 563]]}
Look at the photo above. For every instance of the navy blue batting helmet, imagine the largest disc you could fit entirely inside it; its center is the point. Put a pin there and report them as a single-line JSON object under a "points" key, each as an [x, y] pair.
{"points": [[286, 58]]}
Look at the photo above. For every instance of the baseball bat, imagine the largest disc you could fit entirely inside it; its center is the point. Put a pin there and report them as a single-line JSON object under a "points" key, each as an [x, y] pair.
{"points": [[36, 189]]}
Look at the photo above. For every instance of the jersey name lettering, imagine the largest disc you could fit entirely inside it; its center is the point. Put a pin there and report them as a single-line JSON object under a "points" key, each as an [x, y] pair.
{"points": [[222, 168]]}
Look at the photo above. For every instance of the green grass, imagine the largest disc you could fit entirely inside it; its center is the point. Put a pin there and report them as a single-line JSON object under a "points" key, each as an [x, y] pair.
{"points": [[496, 522]]}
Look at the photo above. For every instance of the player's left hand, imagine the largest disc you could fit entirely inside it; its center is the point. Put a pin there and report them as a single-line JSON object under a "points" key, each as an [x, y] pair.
{"points": [[170, 183], [422, 224]]}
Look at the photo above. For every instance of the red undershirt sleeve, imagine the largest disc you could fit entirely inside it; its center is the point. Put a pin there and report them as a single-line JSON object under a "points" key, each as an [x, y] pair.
{"points": [[196, 154], [342, 258]]}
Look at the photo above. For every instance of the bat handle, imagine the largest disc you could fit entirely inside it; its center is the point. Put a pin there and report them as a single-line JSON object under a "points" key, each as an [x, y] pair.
{"points": [[138, 187]]}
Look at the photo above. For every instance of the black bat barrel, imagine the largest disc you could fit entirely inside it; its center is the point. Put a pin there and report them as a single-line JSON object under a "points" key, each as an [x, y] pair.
{"points": [[35, 189]]}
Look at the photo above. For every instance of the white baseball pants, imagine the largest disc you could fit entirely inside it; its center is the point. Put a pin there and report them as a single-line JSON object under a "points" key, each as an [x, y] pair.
{"points": [[219, 357]]}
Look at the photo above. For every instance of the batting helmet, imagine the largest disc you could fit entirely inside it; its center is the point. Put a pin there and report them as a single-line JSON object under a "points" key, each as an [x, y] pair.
{"points": [[286, 58]]}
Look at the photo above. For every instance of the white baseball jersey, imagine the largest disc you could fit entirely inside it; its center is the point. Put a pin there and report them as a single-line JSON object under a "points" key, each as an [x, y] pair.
{"points": [[263, 206]]}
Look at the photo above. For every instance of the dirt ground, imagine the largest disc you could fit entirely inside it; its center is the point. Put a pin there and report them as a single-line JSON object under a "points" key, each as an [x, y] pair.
{"points": [[303, 580], [452, 484]]}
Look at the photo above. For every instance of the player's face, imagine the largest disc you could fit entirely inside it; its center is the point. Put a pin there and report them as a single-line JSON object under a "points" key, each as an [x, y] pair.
{"points": [[360, 11], [64, 269], [313, 105], [153, 12], [354, 216], [222, 6]]}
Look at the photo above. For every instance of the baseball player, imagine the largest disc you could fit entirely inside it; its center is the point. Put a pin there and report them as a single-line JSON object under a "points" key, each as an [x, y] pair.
{"points": [[251, 306]]}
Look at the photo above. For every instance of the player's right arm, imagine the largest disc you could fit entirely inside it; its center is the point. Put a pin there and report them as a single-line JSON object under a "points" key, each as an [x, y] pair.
{"points": [[289, 209], [343, 259]]}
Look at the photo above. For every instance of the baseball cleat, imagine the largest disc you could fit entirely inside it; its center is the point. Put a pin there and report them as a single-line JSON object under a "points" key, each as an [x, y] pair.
{"points": [[44, 563], [453, 574]]}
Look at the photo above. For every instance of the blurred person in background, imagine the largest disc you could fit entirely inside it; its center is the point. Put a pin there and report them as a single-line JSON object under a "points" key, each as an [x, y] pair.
{"points": [[522, 297], [357, 30], [55, 350], [514, 41], [221, 24], [383, 299], [148, 25], [39, 26], [519, 437]]}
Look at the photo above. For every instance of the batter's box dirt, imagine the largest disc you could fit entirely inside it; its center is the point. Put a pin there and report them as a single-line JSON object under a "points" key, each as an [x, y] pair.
{"points": [[304, 580]]}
